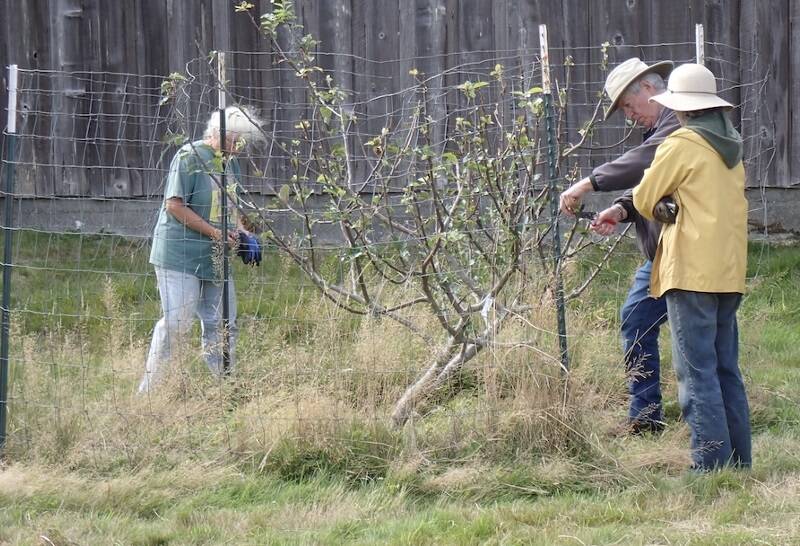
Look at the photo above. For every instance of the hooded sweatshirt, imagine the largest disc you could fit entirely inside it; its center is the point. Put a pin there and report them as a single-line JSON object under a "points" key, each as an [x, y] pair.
{"points": [[700, 166], [718, 131], [716, 128]]}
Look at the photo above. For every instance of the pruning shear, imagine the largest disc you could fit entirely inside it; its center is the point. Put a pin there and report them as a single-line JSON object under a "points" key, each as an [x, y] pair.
{"points": [[585, 214]]}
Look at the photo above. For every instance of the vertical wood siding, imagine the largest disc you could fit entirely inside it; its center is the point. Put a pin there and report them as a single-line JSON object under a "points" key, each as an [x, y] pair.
{"points": [[140, 42]]}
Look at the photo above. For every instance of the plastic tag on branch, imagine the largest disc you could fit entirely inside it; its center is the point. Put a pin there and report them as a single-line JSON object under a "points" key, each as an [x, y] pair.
{"points": [[488, 303]]}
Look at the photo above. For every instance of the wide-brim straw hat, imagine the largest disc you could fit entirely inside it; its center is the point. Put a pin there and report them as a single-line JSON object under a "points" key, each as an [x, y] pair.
{"points": [[691, 87], [628, 72]]}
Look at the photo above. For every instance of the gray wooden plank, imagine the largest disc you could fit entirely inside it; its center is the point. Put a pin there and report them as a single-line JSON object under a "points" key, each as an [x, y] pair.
{"points": [[474, 46], [382, 69], [361, 81], [721, 27], [793, 143], [268, 162], [70, 28], [112, 151], [452, 59], [383, 43], [154, 37], [501, 27], [222, 15], [615, 23], [336, 36], [669, 30], [764, 31], [291, 103], [249, 74], [431, 23], [583, 34], [30, 51]]}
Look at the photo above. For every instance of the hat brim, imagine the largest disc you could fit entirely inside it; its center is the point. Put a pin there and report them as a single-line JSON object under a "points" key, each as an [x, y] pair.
{"points": [[689, 102], [662, 68]]}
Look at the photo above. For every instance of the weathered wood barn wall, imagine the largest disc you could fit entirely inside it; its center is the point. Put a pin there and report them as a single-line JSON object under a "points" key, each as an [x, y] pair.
{"points": [[142, 41]]}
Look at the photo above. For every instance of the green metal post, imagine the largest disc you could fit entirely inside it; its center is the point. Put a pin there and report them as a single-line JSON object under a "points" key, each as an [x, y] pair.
{"points": [[552, 181], [8, 234], [226, 312]]}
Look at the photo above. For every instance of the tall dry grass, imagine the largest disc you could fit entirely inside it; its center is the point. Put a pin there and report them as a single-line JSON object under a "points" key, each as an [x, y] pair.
{"points": [[313, 393]]}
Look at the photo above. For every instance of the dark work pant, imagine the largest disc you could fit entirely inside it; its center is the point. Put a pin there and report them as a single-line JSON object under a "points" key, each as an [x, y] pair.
{"points": [[642, 317]]}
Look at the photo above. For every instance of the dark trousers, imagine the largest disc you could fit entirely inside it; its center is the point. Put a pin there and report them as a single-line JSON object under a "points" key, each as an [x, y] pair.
{"points": [[642, 317]]}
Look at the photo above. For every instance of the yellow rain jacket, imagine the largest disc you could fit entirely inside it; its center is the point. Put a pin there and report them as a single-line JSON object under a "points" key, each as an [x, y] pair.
{"points": [[705, 250]]}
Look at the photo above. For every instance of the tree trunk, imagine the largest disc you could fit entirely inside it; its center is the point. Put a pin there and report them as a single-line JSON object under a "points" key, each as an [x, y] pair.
{"points": [[434, 377]]}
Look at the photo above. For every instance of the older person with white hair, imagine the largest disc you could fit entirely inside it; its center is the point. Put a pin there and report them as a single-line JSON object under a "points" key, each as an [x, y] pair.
{"points": [[700, 262], [187, 232]]}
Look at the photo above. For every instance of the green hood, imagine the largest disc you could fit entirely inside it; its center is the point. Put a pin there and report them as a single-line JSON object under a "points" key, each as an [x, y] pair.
{"points": [[718, 130]]}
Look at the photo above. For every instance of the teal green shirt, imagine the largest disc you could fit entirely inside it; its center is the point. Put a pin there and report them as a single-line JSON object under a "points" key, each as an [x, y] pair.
{"points": [[175, 246]]}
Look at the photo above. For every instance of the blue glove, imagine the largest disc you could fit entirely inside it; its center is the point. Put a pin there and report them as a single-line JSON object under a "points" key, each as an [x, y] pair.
{"points": [[249, 248]]}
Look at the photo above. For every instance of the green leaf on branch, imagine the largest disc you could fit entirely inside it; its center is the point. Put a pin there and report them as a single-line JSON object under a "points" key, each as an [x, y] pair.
{"points": [[174, 139], [170, 87], [449, 158], [326, 114], [283, 194], [470, 89], [497, 73], [282, 13]]}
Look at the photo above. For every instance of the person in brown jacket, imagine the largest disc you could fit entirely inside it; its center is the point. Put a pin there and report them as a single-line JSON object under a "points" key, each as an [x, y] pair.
{"points": [[630, 86]]}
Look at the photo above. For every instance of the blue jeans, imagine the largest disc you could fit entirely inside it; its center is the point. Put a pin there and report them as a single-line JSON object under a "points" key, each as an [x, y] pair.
{"points": [[705, 348], [642, 317], [184, 297]]}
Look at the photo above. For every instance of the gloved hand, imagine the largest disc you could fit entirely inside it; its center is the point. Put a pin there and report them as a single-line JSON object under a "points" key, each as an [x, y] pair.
{"points": [[249, 248]]}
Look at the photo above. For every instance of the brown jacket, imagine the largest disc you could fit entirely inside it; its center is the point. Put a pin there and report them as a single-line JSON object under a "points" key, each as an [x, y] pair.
{"points": [[625, 172]]}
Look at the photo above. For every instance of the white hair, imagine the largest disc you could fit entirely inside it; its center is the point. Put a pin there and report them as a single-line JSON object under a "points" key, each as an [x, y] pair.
{"points": [[238, 119], [652, 78]]}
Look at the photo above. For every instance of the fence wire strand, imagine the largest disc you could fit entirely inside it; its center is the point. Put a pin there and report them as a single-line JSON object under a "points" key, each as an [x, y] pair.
{"points": [[94, 150]]}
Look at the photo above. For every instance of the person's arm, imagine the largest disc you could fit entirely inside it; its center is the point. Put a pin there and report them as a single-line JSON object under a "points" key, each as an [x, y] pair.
{"points": [[178, 193], [622, 173], [625, 201], [627, 170], [667, 172], [189, 218]]}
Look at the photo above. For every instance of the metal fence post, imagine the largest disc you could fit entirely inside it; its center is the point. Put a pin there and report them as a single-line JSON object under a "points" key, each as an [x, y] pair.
{"points": [[552, 179], [8, 234], [226, 312], [699, 44]]}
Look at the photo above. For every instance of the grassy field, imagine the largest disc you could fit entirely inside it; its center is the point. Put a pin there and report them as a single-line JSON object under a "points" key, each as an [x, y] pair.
{"points": [[298, 448]]}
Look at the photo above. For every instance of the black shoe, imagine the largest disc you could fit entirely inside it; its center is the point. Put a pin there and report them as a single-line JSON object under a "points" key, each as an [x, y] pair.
{"points": [[640, 427], [637, 427]]}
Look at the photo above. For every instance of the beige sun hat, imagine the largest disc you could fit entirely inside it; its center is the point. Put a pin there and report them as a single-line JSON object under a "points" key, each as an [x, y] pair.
{"points": [[628, 72], [691, 87]]}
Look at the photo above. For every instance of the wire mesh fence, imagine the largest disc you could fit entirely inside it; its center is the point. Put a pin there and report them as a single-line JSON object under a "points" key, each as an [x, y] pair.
{"points": [[364, 284]]}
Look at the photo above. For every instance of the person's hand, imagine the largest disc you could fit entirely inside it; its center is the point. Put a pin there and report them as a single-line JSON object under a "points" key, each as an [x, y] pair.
{"points": [[249, 248], [570, 199], [232, 236], [606, 221]]}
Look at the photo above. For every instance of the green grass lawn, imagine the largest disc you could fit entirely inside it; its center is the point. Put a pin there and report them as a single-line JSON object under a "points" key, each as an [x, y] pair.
{"points": [[298, 449]]}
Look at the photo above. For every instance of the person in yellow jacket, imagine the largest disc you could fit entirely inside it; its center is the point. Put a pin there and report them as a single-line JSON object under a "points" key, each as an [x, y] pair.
{"points": [[700, 263]]}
